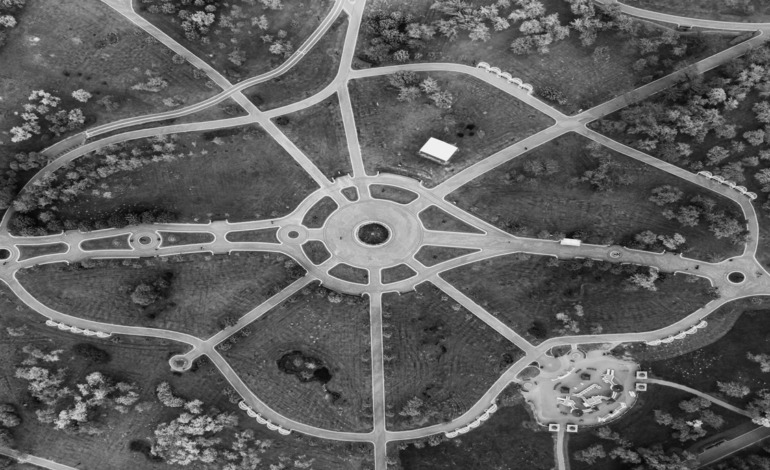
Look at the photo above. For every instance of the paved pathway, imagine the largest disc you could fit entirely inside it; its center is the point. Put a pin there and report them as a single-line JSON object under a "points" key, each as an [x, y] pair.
{"points": [[31, 459], [494, 242], [728, 448], [708, 397]]}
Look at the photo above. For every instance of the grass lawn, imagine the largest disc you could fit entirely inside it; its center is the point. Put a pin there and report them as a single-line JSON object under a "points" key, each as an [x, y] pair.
{"points": [[261, 178], [397, 273], [527, 294], [525, 203], [569, 67], [708, 9], [64, 46], [119, 242], [503, 442], [438, 351], [350, 273], [265, 235], [298, 20], [314, 323], [430, 255], [143, 361], [639, 427], [392, 132], [317, 215], [392, 193], [318, 131], [316, 70], [316, 251], [723, 359], [185, 238], [202, 290], [350, 193], [34, 251], [434, 218]]}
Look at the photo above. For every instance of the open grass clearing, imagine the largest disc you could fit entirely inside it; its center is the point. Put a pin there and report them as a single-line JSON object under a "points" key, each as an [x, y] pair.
{"points": [[392, 132], [430, 255], [143, 361], [439, 353], [508, 440], [36, 251], [315, 71], [329, 327], [541, 301], [261, 178], [434, 218], [639, 427], [724, 359], [350, 273], [185, 238], [265, 235], [118, 242], [297, 20], [350, 193], [319, 132], [64, 46], [569, 67], [537, 195], [397, 273], [202, 290], [317, 215], [392, 193], [316, 251]]}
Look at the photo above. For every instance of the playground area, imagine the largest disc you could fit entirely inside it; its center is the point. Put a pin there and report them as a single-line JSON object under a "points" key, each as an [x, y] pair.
{"points": [[580, 388]]}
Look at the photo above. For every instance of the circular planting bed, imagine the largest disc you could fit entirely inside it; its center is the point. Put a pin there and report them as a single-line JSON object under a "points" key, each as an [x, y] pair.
{"points": [[736, 277], [4, 254], [145, 240], [293, 234], [373, 233]]}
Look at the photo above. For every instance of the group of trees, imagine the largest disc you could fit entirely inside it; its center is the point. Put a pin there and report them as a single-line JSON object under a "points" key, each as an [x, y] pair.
{"points": [[9, 419], [705, 123], [147, 293], [9, 11], [43, 197], [201, 20], [69, 407], [43, 105], [202, 436], [410, 88]]}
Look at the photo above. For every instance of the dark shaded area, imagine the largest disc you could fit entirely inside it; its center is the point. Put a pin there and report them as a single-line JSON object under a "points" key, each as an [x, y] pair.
{"points": [[305, 368], [317, 215], [92, 353], [265, 235], [430, 255]]}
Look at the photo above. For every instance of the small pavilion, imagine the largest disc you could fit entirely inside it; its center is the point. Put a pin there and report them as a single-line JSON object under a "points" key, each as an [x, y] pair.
{"points": [[438, 151]]}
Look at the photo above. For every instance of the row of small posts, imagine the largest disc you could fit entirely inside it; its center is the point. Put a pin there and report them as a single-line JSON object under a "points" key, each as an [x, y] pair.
{"points": [[75, 329], [253, 414], [690, 331], [719, 179], [476, 422]]}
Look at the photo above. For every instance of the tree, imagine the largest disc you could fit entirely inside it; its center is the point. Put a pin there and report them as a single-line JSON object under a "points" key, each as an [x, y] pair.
{"points": [[8, 416], [144, 295], [442, 99], [645, 281], [166, 396], [401, 55], [667, 194], [408, 94], [591, 454], [716, 155], [81, 95], [429, 86], [762, 359]]}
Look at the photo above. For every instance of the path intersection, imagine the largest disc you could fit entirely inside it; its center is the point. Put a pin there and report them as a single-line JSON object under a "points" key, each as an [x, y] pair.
{"points": [[406, 233]]}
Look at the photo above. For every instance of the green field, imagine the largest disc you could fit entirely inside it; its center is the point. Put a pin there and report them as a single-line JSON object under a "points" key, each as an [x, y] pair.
{"points": [[316, 70], [64, 46], [506, 441], [318, 131], [527, 294], [203, 290], [335, 333], [523, 198], [438, 352], [143, 361], [392, 132]]}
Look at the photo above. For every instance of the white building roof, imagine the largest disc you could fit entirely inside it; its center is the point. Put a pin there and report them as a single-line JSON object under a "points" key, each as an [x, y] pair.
{"points": [[438, 149], [571, 242]]}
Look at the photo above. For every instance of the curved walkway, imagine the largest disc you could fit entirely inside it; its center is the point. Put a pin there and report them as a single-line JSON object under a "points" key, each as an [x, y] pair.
{"points": [[708, 397]]}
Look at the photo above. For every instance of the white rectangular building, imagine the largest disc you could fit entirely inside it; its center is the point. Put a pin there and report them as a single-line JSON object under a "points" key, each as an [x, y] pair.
{"points": [[438, 151], [571, 242]]}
